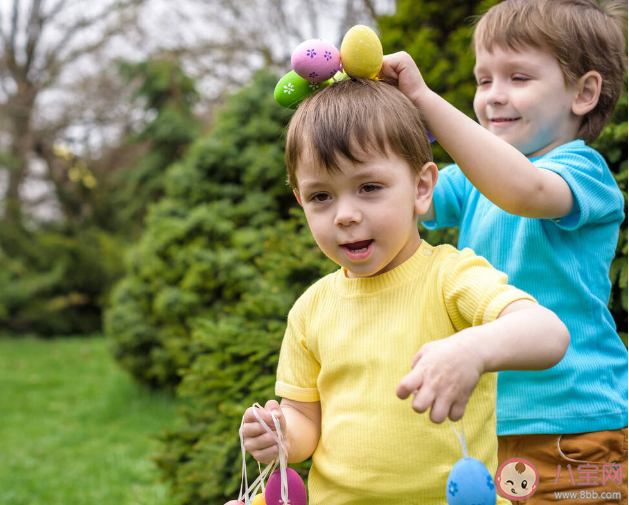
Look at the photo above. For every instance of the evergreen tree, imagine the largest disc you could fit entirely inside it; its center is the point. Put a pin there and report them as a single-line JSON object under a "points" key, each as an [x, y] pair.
{"points": [[55, 277], [195, 259]]}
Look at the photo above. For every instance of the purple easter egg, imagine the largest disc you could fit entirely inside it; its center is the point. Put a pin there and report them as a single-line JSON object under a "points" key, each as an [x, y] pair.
{"points": [[296, 489], [316, 60]]}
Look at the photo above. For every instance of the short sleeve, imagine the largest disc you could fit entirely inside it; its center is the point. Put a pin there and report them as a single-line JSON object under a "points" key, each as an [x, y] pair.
{"points": [[475, 293], [298, 369], [596, 194], [448, 198]]}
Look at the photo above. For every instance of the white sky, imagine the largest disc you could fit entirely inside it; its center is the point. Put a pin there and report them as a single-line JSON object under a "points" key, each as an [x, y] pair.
{"points": [[168, 26]]}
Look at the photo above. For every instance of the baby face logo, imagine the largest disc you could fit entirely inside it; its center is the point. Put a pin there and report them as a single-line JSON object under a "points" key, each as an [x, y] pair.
{"points": [[517, 479]]}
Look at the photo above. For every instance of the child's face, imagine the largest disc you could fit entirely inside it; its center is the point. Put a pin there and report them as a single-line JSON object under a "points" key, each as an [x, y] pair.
{"points": [[523, 99], [365, 217]]}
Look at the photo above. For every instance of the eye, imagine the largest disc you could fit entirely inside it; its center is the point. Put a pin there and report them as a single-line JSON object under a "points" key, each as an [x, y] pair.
{"points": [[319, 197], [510, 481], [482, 82], [370, 188], [520, 78], [524, 483]]}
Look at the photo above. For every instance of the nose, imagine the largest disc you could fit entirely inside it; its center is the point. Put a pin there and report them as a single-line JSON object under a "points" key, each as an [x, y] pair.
{"points": [[496, 94], [347, 213]]}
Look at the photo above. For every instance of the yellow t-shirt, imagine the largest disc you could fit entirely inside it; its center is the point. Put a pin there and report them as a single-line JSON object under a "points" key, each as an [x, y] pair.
{"points": [[348, 344]]}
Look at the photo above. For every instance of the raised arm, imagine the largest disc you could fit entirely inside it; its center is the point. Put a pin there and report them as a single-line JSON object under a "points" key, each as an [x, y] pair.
{"points": [[526, 336], [497, 169]]}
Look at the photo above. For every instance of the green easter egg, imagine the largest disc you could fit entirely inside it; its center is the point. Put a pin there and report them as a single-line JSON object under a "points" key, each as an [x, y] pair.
{"points": [[292, 89]]}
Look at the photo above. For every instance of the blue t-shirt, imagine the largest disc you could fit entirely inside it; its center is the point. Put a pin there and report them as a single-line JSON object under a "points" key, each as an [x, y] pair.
{"points": [[564, 263]]}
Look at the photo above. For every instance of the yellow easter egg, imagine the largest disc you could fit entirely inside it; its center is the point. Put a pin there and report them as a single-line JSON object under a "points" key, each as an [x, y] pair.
{"points": [[258, 500], [361, 52]]}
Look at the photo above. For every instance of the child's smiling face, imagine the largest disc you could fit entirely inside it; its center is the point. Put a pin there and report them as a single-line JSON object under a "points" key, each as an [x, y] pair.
{"points": [[522, 98], [364, 217]]}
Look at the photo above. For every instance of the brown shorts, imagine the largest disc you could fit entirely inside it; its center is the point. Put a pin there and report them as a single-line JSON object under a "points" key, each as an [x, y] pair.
{"points": [[587, 468]]}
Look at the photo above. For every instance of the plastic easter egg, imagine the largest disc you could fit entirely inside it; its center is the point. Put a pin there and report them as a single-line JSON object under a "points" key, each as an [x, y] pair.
{"points": [[296, 489], [259, 500], [470, 482], [316, 60], [292, 89], [361, 52], [234, 502]]}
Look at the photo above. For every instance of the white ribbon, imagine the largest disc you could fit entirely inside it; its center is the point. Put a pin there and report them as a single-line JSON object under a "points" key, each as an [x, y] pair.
{"points": [[460, 437], [249, 493]]}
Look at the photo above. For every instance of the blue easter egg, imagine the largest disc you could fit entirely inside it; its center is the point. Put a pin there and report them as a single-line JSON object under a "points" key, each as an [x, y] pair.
{"points": [[470, 483]]}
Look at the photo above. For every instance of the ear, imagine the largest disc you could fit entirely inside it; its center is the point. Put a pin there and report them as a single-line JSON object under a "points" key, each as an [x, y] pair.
{"points": [[296, 193], [588, 93], [424, 186]]}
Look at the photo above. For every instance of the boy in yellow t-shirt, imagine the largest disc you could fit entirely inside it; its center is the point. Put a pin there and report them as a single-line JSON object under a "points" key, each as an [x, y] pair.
{"points": [[360, 165]]}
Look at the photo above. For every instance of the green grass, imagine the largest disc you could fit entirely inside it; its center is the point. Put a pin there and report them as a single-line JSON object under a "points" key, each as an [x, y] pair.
{"points": [[74, 428]]}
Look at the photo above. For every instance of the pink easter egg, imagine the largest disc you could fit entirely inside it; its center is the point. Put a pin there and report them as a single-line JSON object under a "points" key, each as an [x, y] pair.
{"points": [[296, 489], [316, 60], [234, 502]]}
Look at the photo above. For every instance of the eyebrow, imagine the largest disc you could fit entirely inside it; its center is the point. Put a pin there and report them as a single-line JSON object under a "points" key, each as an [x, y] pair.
{"points": [[527, 64], [373, 172]]}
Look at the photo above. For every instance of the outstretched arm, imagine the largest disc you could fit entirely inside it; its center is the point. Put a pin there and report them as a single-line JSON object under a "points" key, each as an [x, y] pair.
{"points": [[526, 336], [497, 169]]}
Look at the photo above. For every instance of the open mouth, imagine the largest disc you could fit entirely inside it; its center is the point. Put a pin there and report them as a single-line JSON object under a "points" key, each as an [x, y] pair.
{"points": [[358, 250]]}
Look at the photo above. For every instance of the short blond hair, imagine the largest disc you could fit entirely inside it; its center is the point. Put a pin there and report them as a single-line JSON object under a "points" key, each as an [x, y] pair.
{"points": [[352, 119], [582, 35]]}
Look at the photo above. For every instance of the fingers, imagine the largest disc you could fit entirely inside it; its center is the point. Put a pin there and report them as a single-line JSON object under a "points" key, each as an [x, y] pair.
{"points": [[393, 65], [409, 384], [418, 355], [257, 440], [457, 410], [423, 400], [441, 406]]}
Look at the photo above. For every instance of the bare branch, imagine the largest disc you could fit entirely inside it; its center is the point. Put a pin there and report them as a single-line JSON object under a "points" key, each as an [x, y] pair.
{"points": [[3, 36], [55, 10], [10, 50], [14, 22], [73, 31], [34, 29], [370, 7]]}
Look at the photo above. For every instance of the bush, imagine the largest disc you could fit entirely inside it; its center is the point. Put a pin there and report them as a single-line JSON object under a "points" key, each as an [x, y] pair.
{"points": [[53, 280], [195, 259], [234, 366]]}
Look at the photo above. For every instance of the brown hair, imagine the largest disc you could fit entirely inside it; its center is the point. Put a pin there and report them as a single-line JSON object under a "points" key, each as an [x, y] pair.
{"points": [[352, 119], [581, 34]]}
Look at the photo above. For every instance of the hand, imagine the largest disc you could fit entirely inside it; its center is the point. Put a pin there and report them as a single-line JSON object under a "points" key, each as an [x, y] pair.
{"points": [[400, 69], [445, 373], [258, 442]]}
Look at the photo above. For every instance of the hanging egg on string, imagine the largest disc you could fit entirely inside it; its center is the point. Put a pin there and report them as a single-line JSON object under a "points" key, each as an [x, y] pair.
{"points": [[296, 489], [315, 60], [470, 482], [234, 502], [361, 52]]}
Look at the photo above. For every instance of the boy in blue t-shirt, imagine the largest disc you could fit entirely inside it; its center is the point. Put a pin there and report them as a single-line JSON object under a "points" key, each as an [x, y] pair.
{"points": [[540, 205]]}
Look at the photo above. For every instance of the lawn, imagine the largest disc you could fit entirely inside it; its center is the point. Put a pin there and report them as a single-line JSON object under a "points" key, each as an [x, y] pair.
{"points": [[74, 428]]}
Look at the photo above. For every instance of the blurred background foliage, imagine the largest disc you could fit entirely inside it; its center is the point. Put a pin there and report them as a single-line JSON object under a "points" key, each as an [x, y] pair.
{"points": [[183, 241]]}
